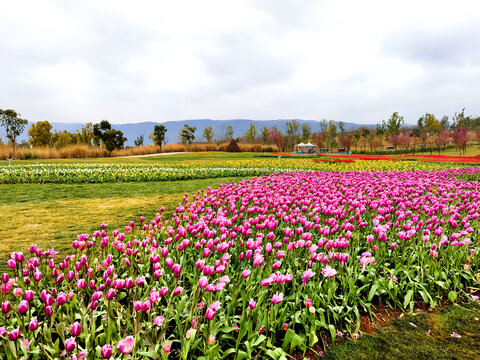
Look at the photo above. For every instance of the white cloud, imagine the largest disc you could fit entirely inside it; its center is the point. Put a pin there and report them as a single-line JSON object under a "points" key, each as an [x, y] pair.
{"points": [[155, 61]]}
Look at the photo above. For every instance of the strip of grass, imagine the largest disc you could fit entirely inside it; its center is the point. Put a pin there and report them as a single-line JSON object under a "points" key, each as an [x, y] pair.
{"points": [[51, 215], [425, 336]]}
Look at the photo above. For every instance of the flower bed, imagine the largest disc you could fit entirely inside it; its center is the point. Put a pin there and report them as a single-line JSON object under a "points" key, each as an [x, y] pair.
{"points": [[100, 173], [251, 269]]}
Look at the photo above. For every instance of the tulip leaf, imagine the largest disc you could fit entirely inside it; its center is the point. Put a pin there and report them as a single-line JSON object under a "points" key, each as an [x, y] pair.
{"points": [[260, 339], [228, 352], [277, 354], [408, 298], [372, 293], [452, 296], [312, 338], [333, 332], [151, 354], [241, 355], [227, 329]]}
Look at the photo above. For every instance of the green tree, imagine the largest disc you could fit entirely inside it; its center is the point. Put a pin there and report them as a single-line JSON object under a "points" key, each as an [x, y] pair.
{"points": [[419, 130], [229, 132], [112, 139], [99, 130], [158, 135], [138, 141], [265, 133], [432, 125], [40, 134], [251, 133], [306, 132], [393, 124], [323, 131], [14, 125], [332, 134], [342, 137], [461, 121], [208, 134], [292, 133], [85, 135], [187, 135], [379, 133], [445, 123], [63, 138]]}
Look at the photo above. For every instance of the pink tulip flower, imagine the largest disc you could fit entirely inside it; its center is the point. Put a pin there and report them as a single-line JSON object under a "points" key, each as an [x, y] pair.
{"points": [[277, 298], [125, 346], [106, 351], [329, 271], [70, 344]]}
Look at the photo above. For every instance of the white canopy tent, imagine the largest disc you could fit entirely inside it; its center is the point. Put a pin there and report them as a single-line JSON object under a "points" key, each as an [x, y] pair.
{"points": [[307, 148]]}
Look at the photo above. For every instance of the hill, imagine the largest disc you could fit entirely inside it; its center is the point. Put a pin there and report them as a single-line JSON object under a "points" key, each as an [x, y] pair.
{"points": [[240, 126]]}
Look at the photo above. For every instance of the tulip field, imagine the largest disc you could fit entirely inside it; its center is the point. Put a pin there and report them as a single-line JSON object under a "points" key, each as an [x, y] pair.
{"points": [[115, 172], [257, 268]]}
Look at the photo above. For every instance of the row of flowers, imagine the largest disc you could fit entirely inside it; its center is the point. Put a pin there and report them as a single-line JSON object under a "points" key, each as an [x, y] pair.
{"points": [[115, 172]]}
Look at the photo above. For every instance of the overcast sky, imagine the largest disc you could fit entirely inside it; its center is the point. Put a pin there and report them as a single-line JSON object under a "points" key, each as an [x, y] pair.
{"points": [[133, 61]]}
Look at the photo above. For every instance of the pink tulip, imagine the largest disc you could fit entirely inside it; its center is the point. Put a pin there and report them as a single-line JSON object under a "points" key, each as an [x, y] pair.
{"points": [[76, 328], [14, 334], [277, 298], [163, 291], [203, 282], [61, 299], [33, 324], [140, 281], [125, 346], [252, 304], [178, 290], [308, 274], [158, 321], [70, 344], [106, 351], [328, 271], [23, 307], [6, 307], [5, 278], [146, 306], [110, 294]]}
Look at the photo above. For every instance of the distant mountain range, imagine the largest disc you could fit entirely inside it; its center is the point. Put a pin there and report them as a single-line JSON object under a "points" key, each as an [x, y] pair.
{"points": [[240, 126]]}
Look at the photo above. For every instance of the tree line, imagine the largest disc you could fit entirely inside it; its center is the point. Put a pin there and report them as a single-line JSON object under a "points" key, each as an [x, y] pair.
{"points": [[428, 131]]}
